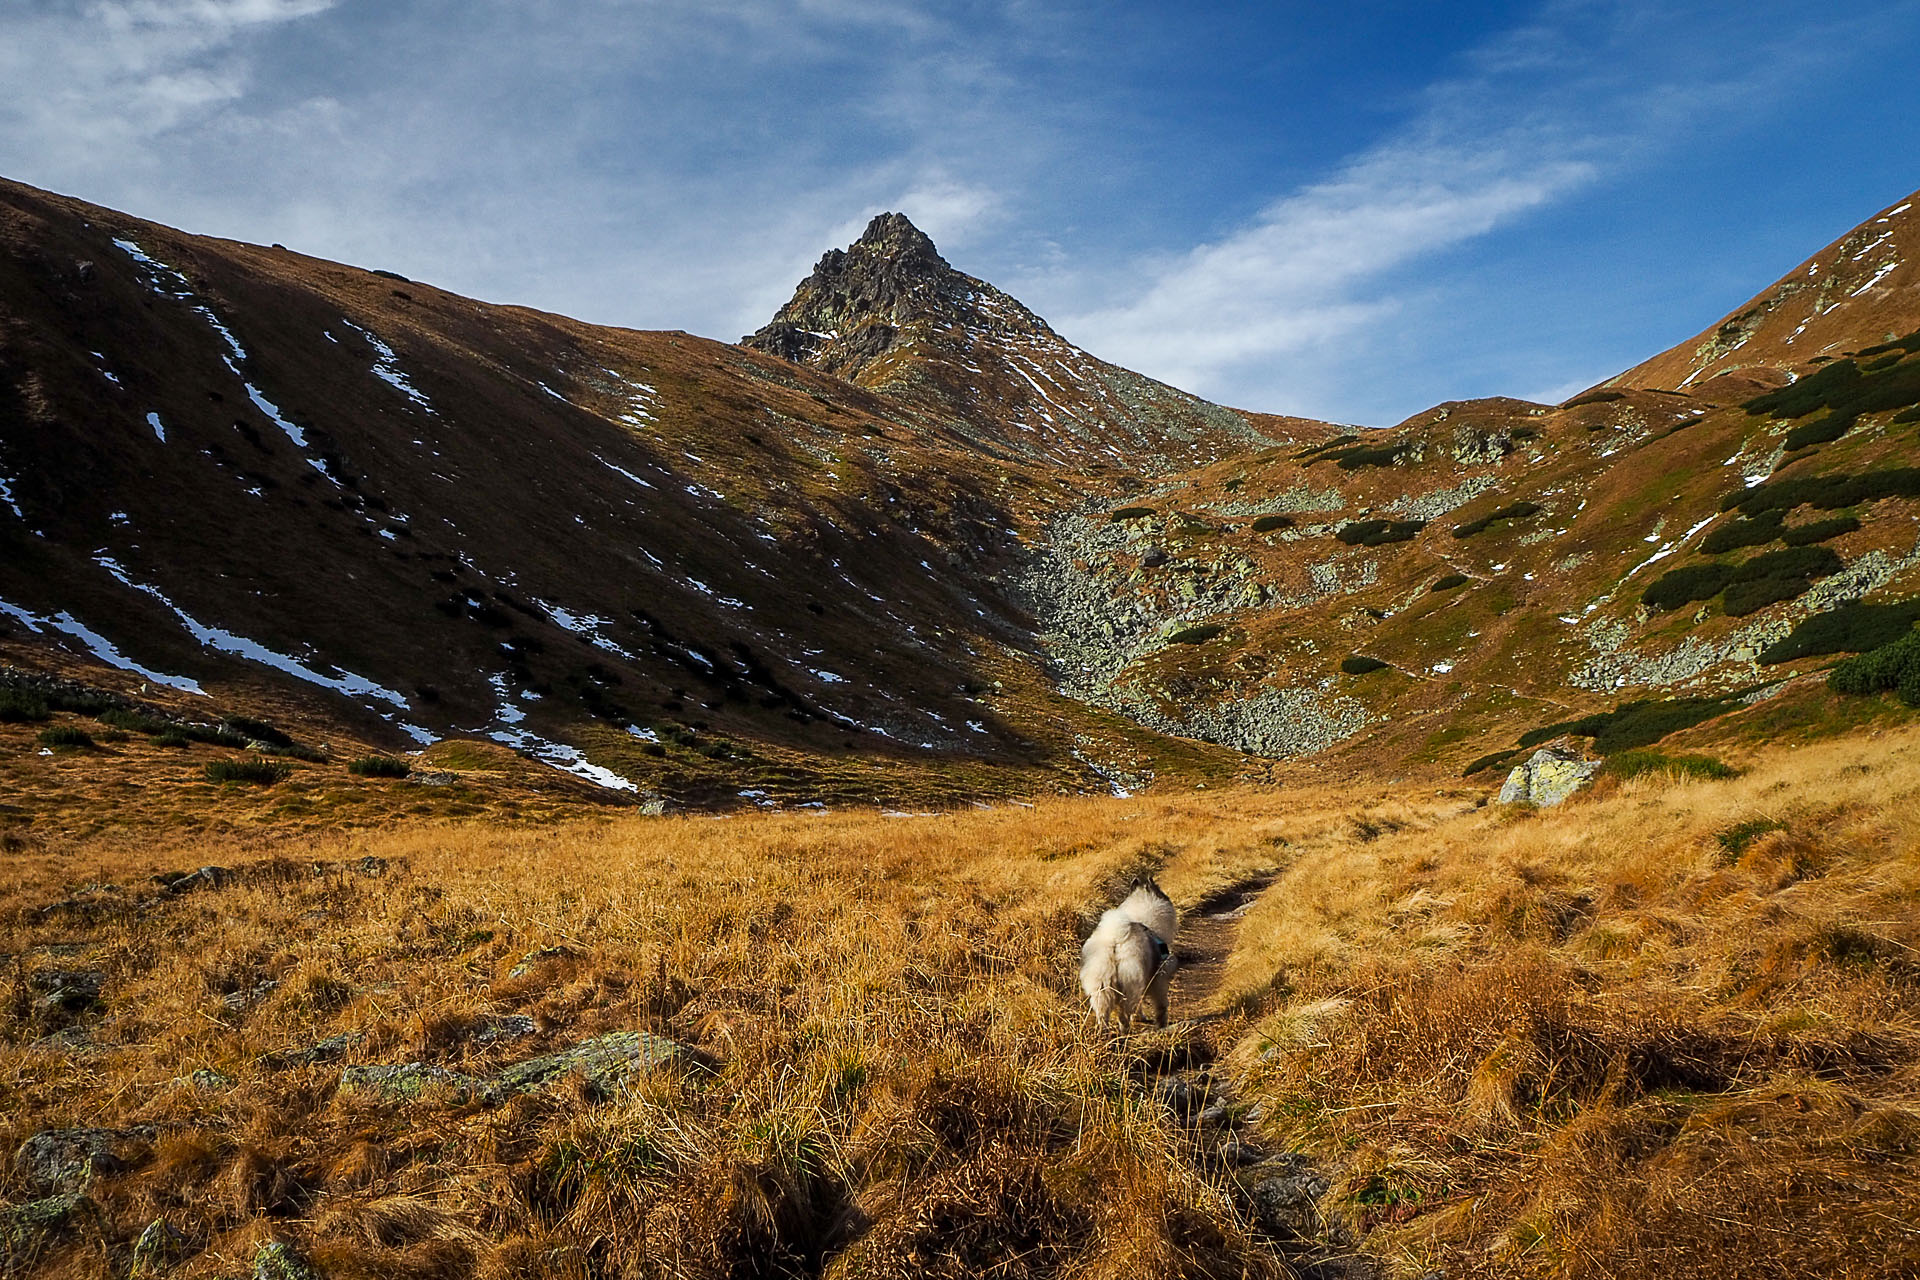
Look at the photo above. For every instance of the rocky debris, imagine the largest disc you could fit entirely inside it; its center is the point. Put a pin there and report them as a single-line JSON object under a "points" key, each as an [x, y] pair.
{"points": [[1285, 1194], [159, 1249], [204, 1078], [179, 882], [1235, 1153], [409, 1080], [56, 1160], [492, 1030], [433, 778], [72, 1040], [246, 998], [603, 1063], [1183, 1098], [67, 991], [25, 1228], [328, 1050], [1550, 775], [541, 957], [278, 1260]]}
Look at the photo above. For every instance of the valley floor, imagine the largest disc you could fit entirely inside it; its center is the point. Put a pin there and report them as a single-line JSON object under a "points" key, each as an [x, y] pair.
{"points": [[1670, 1028]]}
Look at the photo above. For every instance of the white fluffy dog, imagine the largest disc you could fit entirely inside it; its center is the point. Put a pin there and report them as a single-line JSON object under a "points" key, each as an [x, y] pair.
{"points": [[1129, 958]]}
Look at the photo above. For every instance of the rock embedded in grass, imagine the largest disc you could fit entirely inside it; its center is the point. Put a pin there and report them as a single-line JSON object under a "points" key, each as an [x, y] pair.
{"points": [[278, 1260], [159, 1249], [603, 1063], [1549, 776], [67, 1159], [409, 1080], [1285, 1194]]}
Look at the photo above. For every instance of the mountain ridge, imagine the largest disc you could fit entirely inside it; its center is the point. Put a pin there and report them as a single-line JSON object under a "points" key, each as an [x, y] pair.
{"points": [[727, 573]]}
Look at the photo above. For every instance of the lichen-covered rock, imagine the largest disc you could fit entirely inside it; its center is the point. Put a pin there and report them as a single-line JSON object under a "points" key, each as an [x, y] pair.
{"points": [[408, 1080], [67, 1159], [541, 956], [204, 1078], [159, 1249], [329, 1050], [24, 1228], [509, 1026], [1549, 776], [188, 881], [1285, 1194], [279, 1260], [603, 1063], [69, 991]]}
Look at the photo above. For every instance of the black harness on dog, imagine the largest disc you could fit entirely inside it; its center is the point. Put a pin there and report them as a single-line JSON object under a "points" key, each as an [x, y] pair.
{"points": [[1162, 953]]}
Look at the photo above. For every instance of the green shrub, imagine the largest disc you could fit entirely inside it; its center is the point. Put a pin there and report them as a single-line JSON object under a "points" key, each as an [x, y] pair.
{"points": [[1266, 524], [1819, 430], [1197, 634], [1829, 492], [1352, 459], [1751, 585], [1595, 397], [1634, 724], [1851, 628], [170, 738], [1359, 664], [1845, 388], [20, 707], [1805, 535], [1493, 759], [1777, 575], [1633, 764], [1344, 438], [256, 731], [1448, 582], [1893, 666], [263, 773], [65, 735], [135, 721], [1129, 513], [1514, 511], [1734, 840], [1684, 585], [379, 767], [1907, 415], [1379, 533], [1759, 531]]}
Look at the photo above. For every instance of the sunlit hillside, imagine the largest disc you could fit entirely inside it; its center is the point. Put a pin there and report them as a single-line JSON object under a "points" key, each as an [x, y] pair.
{"points": [[1671, 1028]]}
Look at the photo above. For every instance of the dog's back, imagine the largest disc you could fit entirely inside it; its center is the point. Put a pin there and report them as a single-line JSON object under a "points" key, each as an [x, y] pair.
{"points": [[1129, 957]]}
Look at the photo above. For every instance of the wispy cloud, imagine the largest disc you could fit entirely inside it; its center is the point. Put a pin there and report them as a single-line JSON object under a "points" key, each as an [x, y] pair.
{"points": [[1294, 279]]}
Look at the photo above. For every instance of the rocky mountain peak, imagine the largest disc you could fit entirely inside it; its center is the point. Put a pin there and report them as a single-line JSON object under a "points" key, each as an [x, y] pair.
{"points": [[852, 308]]}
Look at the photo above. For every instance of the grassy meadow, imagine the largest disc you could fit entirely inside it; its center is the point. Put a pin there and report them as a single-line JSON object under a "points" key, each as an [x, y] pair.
{"points": [[1671, 1028]]}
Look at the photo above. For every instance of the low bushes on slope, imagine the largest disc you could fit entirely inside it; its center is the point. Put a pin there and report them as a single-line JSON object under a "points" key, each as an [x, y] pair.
{"points": [[1379, 533], [1828, 492], [1851, 628], [1359, 664], [1513, 511], [1894, 666], [1846, 389], [1750, 585]]}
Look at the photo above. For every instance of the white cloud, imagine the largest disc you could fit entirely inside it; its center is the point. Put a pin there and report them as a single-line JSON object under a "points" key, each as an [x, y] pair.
{"points": [[1292, 279]]}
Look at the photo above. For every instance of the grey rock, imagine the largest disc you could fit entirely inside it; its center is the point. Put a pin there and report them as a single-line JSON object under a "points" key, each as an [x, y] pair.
{"points": [[159, 1249], [208, 877], [235, 1001], [1216, 1115], [409, 1080], [67, 990], [1183, 1098], [279, 1260], [328, 1050], [536, 958], [492, 1030], [370, 866], [1235, 1152], [77, 1041], [1285, 1202], [1549, 776], [24, 1228], [604, 1063], [432, 778], [68, 1159], [205, 1078]]}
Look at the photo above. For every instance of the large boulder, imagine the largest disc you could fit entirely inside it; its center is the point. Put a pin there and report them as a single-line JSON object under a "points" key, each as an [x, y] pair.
{"points": [[1550, 775], [67, 1159]]}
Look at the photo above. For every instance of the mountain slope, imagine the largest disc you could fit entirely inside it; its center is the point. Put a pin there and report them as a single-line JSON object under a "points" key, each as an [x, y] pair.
{"points": [[238, 468], [1862, 289], [888, 313]]}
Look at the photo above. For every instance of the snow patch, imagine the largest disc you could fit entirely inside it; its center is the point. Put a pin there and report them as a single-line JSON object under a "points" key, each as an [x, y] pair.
{"points": [[159, 428]]}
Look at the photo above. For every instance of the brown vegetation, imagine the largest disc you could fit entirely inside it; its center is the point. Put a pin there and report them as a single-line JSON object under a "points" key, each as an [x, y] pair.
{"points": [[1600, 1040]]}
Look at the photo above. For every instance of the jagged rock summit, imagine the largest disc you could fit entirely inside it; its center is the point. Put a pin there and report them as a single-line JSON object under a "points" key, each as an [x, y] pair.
{"points": [[888, 313], [851, 309]]}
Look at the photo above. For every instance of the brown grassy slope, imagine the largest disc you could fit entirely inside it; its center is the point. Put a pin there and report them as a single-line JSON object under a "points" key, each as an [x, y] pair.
{"points": [[725, 536], [1669, 1029], [1588, 1042], [1862, 289]]}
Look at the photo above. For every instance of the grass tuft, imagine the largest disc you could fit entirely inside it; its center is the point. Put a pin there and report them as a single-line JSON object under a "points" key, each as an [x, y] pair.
{"points": [[379, 767], [257, 772]]}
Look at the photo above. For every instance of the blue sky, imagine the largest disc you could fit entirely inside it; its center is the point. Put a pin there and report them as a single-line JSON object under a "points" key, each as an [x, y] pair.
{"points": [[1349, 211]]}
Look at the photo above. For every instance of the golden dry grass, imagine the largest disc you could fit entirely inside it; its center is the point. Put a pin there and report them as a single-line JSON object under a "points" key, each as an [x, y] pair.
{"points": [[1576, 1043]]}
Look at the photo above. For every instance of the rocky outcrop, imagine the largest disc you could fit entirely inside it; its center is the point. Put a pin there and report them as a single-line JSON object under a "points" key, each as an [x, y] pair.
{"points": [[1550, 775]]}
